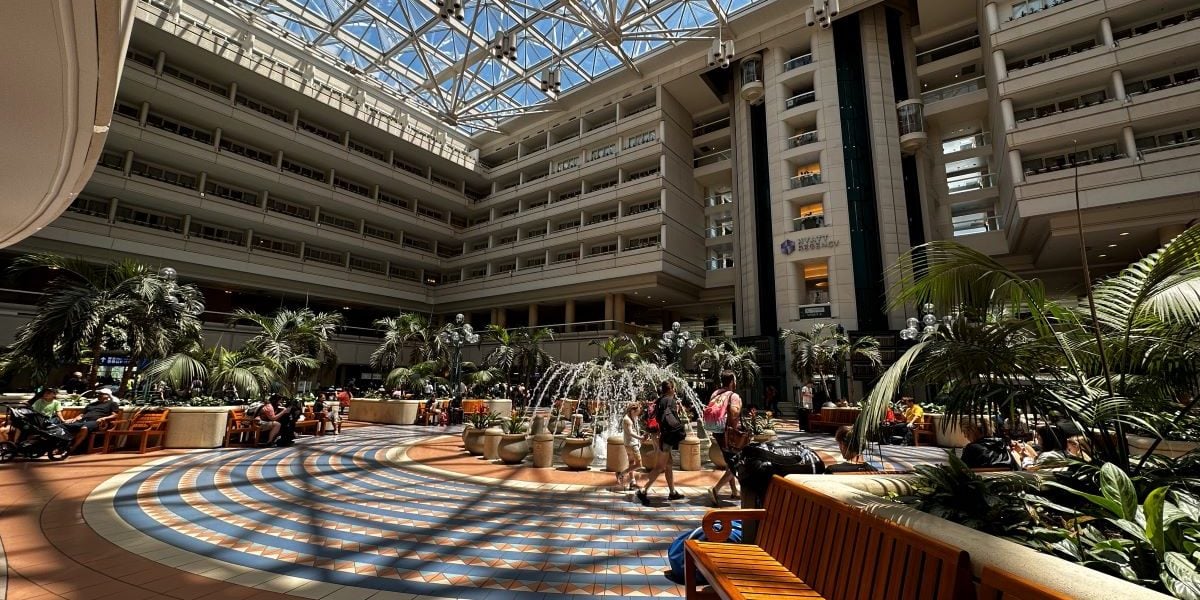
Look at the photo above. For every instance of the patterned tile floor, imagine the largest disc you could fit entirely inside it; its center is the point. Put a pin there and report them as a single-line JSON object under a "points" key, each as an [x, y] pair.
{"points": [[345, 518]]}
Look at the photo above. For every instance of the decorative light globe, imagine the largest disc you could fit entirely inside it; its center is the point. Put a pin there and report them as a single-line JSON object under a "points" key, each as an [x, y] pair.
{"points": [[168, 273]]}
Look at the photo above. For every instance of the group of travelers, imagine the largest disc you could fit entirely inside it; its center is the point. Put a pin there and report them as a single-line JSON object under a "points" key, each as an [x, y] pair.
{"points": [[100, 410]]}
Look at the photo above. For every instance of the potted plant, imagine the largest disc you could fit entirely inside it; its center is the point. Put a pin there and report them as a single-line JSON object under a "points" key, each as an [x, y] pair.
{"points": [[514, 447], [577, 450], [762, 427], [477, 423]]}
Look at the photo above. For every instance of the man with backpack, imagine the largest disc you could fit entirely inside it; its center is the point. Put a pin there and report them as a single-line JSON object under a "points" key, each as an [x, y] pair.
{"points": [[723, 418], [671, 432]]}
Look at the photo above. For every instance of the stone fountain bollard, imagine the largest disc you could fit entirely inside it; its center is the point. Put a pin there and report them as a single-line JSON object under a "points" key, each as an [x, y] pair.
{"points": [[491, 442], [543, 444], [689, 451], [616, 460]]}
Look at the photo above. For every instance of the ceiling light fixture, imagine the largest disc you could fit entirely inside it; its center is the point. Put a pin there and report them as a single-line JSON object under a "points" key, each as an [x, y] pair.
{"points": [[1124, 233], [345, 308], [552, 79], [504, 45], [722, 53], [1112, 245], [450, 8], [1103, 256]]}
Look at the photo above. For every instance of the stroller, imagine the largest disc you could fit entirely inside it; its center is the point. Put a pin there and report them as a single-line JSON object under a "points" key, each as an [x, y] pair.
{"points": [[39, 435]]}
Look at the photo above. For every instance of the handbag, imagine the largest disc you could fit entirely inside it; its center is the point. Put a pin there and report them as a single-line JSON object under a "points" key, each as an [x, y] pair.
{"points": [[736, 437]]}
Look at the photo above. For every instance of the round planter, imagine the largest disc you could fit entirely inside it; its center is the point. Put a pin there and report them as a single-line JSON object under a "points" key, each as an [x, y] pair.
{"points": [[577, 453], [408, 411], [768, 435], [616, 460], [1139, 445], [491, 443], [196, 426], [718, 459], [473, 440], [559, 426], [513, 448]]}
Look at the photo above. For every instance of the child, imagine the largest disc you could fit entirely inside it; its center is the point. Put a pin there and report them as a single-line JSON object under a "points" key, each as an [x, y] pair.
{"points": [[633, 443]]}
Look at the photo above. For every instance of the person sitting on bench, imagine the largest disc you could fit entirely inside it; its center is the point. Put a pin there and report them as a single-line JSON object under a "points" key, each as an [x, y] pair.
{"points": [[97, 413]]}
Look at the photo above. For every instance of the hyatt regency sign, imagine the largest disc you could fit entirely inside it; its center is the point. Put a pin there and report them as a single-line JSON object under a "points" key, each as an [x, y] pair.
{"points": [[809, 243]]}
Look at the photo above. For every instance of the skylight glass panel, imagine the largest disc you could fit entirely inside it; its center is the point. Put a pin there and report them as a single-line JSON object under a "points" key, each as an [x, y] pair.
{"points": [[596, 61]]}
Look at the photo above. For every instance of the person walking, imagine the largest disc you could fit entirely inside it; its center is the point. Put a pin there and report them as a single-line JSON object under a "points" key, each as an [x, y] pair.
{"points": [[731, 437], [633, 446], [671, 432], [805, 405]]}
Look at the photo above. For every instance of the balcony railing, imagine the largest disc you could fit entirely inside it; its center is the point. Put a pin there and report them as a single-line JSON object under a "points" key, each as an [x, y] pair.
{"points": [[717, 264], [719, 230], [981, 224], [800, 99], [719, 199], [1183, 144], [799, 61], [712, 159], [711, 126], [805, 180], [954, 90], [960, 144], [807, 222], [1029, 7], [801, 139], [948, 50], [970, 183]]}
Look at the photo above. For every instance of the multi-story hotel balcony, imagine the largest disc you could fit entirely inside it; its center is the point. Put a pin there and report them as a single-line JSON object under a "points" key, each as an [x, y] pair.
{"points": [[956, 99], [799, 68]]}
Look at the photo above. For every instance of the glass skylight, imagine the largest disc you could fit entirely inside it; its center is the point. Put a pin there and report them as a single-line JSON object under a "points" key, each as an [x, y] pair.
{"points": [[439, 54]]}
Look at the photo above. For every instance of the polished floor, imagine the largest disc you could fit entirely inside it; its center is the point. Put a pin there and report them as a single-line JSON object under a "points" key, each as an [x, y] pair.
{"points": [[377, 512]]}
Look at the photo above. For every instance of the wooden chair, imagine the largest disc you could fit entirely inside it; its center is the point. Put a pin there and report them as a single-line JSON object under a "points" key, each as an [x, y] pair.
{"points": [[310, 425], [812, 546], [924, 430], [240, 430], [1002, 585], [140, 425]]}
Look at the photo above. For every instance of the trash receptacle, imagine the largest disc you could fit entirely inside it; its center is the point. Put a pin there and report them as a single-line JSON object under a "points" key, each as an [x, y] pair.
{"points": [[760, 462]]}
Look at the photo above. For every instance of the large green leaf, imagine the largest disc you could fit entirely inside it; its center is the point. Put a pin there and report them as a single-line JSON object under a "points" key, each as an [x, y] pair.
{"points": [[1180, 576], [1118, 487], [1153, 509]]}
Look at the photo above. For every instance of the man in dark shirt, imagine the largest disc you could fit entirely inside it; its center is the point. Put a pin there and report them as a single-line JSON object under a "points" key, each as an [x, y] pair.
{"points": [[101, 410], [985, 452]]}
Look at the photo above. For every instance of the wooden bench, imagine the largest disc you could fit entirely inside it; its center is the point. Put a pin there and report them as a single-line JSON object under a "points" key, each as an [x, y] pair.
{"points": [[141, 425], [240, 430], [310, 425], [812, 546], [1002, 585], [924, 430]]}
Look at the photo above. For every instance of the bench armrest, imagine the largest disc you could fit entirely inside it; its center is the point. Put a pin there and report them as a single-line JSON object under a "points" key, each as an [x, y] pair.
{"points": [[725, 517]]}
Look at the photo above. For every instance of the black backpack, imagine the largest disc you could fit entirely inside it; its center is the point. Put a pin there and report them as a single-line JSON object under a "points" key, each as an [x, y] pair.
{"points": [[253, 410]]}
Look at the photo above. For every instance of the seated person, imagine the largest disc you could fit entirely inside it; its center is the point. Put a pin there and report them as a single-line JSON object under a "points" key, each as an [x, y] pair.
{"points": [[270, 417], [911, 416], [325, 410], [985, 452], [1079, 447], [433, 412], [852, 462], [97, 413], [46, 402]]}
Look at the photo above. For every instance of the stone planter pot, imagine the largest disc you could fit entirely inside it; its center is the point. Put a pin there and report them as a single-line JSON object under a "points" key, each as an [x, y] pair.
{"points": [[503, 406], [715, 456], [408, 411], [558, 426], [513, 448], [768, 435], [491, 443], [616, 460], [577, 453], [1138, 445], [473, 440], [196, 426]]}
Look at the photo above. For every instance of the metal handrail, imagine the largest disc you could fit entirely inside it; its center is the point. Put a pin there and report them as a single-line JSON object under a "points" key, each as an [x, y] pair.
{"points": [[805, 180], [713, 158], [803, 138], [800, 99], [927, 56], [962, 87], [797, 62], [982, 181]]}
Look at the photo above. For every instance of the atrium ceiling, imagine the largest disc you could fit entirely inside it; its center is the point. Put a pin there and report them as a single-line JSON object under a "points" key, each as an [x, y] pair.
{"points": [[476, 63]]}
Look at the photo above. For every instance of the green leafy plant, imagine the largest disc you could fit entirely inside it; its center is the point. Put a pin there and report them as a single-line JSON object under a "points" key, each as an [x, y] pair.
{"points": [[483, 419], [514, 424], [996, 505]]}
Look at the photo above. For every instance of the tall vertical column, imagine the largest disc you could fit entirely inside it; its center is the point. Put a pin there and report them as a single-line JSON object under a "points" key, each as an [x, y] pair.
{"points": [[569, 314], [1014, 166], [160, 61], [999, 64], [533, 315], [187, 225], [233, 90], [128, 166], [217, 138], [992, 17], [1129, 142], [608, 308], [295, 121], [1006, 111], [619, 310], [1106, 33], [143, 113], [112, 209], [1118, 86], [202, 182], [249, 238]]}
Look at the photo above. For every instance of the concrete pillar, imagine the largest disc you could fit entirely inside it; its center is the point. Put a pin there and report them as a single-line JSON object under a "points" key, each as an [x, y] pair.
{"points": [[330, 175], [391, 157], [202, 182], [128, 166], [569, 314], [278, 160], [501, 313], [608, 308], [302, 248], [362, 227], [160, 61], [1167, 233], [375, 192], [999, 64], [533, 315], [295, 121], [233, 92], [1106, 33], [217, 139], [112, 209], [1014, 166], [1006, 111], [317, 214], [249, 238], [619, 308], [992, 17], [1118, 86], [143, 114], [346, 140], [263, 198], [1129, 142]]}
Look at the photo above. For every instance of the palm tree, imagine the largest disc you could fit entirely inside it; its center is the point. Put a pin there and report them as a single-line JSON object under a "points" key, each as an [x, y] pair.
{"points": [[504, 356], [720, 355], [825, 350], [531, 358], [248, 371], [91, 307], [618, 351], [298, 340], [1007, 345], [398, 333]]}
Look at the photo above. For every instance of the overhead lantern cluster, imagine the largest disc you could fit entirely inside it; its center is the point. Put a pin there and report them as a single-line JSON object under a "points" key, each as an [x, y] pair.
{"points": [[450, 8], [823, 12], [722, 53], [504, 45], [552, 80]]}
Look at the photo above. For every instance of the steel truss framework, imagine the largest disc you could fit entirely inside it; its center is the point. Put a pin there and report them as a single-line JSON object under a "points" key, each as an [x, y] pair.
{"points": [[447, 66]]}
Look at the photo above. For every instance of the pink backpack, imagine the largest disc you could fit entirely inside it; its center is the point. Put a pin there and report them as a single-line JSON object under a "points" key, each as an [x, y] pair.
{"points": [[716, 413]]}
